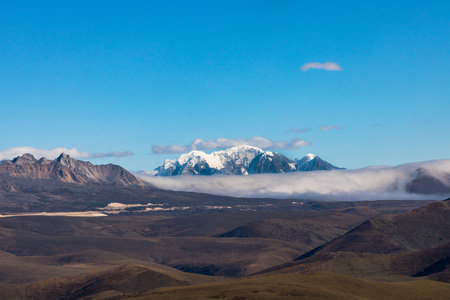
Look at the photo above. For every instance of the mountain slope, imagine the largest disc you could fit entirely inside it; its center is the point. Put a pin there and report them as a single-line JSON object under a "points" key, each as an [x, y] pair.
{"points": [[432, 263], [270, 162], [311, 162], [416, 243], [323, 285], [426, 183], [115, 282], [419, 229]]}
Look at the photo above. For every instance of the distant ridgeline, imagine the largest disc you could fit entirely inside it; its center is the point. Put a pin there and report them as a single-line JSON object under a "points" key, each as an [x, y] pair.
{"points": [[67, 169], [240, 160]]}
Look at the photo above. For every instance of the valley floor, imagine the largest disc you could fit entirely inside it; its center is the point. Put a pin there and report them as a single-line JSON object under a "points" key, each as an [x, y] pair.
{"points": [[216, 255]]}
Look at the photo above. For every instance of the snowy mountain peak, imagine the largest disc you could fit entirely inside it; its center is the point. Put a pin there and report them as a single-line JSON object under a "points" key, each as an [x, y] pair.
{"points": [[242, 148], [311, 162], [310, 156], [239, 160], [234, 160]]}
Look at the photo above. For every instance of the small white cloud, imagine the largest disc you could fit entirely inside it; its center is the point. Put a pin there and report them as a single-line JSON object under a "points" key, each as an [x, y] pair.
{"points": [[11, 153], [297, 130], [328, 66], [222, 143], [167, 149], [329, 127], [113, 154]]}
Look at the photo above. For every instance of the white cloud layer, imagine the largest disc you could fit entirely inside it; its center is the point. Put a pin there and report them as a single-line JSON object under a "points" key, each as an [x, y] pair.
{"points": [[372, 183], [328, 66], [222, 143], [11, 153]]}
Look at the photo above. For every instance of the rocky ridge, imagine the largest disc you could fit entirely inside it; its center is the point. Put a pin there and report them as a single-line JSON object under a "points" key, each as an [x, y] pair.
{"points": [[66, 169]]}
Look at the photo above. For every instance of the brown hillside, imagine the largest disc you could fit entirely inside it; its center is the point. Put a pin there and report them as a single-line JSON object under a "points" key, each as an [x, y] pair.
{"points": [[417, 230], [433, 263], [412, 244], [299, 286], [118, 281], [293, 231]]}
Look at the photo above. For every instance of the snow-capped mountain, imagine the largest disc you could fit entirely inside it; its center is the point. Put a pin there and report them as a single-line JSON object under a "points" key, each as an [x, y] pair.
{"points": [[311, 162], [240, 160], [234, 160]]}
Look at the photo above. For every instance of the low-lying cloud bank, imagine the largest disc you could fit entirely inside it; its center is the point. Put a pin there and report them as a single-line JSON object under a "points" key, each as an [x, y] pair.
{"points": [[372, 183]]}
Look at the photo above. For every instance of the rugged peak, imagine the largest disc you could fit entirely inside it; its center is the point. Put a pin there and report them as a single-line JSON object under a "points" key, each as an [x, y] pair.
{"points": [[43, 161], [63, 156], [67, 169], [311, 162], [25, 159], [66, 160]]}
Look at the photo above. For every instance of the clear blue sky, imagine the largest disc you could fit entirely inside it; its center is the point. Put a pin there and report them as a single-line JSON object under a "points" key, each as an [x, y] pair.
{"points": [[108, 76]]}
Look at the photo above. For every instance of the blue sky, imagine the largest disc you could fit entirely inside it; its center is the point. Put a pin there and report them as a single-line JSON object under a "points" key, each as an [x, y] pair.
{"points": [[111, 80]]}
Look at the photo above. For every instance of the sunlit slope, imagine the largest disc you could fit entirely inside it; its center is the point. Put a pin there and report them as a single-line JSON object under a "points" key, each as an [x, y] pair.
{"points": [[321, 285], [125, 279]]}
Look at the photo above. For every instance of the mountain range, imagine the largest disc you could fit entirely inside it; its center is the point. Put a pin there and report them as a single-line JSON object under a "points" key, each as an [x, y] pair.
{"points": [[65, 184], [65, 169], [239, 160]]}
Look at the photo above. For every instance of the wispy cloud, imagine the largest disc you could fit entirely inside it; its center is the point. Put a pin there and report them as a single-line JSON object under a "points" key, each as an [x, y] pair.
{"points": [[54, 153], [222, 143], [113, 154], [328, 66], [297, 130], [329, 127], [373, 183]]}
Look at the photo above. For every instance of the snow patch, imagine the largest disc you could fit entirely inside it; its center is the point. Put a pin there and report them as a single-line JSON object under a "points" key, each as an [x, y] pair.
{"points": [[310, 156]]}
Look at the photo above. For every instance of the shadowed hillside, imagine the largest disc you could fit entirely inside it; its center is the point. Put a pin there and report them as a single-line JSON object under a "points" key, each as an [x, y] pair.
{"points": [[411, 244], [417, 230]]}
